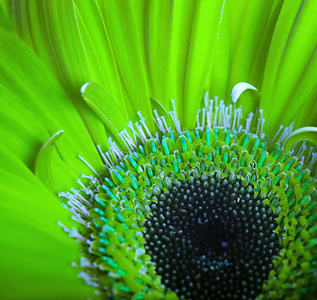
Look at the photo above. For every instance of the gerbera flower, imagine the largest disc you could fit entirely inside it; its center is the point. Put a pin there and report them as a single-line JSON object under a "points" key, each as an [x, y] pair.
{"points": [[202, 197]]}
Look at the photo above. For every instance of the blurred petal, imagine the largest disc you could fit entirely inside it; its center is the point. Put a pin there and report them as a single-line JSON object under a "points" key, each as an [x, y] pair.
{"points": [[290, 75], [35, 255]]}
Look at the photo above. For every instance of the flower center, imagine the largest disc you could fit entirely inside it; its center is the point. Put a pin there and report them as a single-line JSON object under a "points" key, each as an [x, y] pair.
{"points": [[212, 240], [199, 214]]}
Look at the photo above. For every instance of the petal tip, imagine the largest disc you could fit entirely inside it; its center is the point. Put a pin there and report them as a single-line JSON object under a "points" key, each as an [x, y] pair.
{"points": [[239, 88]]}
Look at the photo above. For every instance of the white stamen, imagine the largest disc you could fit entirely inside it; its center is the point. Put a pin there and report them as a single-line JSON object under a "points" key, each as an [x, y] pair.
{"points": [[73, 233], [115, 150], [158, 122], [206, 99], [89, 166], [85, 263], [127, 139], [142, 121], [275, 136], [135, 133], [216, 113], [173, 115], [312, 161], [309, 153], [104, 158], [248, 122], [221, 113], [165, 124], [204, 116], [301, 150], [142, 134], [262, 135], [259, 122]]}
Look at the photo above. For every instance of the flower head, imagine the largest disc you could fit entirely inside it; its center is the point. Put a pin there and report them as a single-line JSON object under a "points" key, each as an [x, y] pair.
{"points": [[202, 197]]}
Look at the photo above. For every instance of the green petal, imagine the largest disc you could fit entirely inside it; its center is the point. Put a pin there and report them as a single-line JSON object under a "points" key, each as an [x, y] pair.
{"points": [[57, 40], [35, 89], [5, 20], [35, 255], [106, 107], [124, 23], [302, 134], [181, 40], [59, 177], [243, 43], [290, 74], [20, 128]]}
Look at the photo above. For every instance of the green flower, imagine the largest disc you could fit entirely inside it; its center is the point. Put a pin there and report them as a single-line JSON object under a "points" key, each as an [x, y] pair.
{"points": [[195, 198]]}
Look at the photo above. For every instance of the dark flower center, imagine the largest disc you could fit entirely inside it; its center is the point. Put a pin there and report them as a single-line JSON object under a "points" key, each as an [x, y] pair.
{"points": [[212, 240]]}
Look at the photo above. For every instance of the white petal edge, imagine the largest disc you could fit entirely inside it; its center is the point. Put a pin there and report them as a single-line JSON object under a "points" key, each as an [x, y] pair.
{"points": [[239, 88]]}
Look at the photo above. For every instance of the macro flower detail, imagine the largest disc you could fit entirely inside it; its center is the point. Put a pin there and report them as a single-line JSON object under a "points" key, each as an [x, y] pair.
{"points": [[201, 197], [220, 211]]}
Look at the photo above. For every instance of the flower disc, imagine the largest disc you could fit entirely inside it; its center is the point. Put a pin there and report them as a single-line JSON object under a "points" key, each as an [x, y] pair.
{"points": [[214, 213]]}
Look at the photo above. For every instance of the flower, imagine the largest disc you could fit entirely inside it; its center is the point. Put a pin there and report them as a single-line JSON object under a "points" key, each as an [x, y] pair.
{"points": [[134, 51]]}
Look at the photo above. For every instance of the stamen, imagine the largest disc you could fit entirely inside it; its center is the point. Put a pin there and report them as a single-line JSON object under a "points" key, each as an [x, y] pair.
{"points": [[259, 122], [216, 113], [313, 160], [209, 114], [115, 150], [198, 123], [165, 124], [221, 113], [73, 233], [89, 166], [142, 133], [277, 133], [144, 125], [248, 122], [206, 99], [135, 133], [173, 115], [105, 160], [301, 150], [309, 153], [128, 141], [158, 122]]}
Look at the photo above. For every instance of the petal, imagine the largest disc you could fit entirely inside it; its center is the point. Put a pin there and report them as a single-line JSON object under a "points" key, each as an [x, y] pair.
{"points": [[53, 32], [246, 95], [59, 178], [125, 23], [35, 255], [107, 108], [302, 134], [36, 90], [180, 46], [290, 75], [5, 20], [243, 43], [20, 128]]}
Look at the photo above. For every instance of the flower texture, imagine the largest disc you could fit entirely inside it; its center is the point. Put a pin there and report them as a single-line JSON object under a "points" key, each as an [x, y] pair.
{"points": [[208, 196]]}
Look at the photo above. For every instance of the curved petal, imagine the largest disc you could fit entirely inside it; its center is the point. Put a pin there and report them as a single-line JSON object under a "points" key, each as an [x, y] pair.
{"points": [[35, 255], [56, 33], [290, 74], [35, 89], [302, 134]]}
